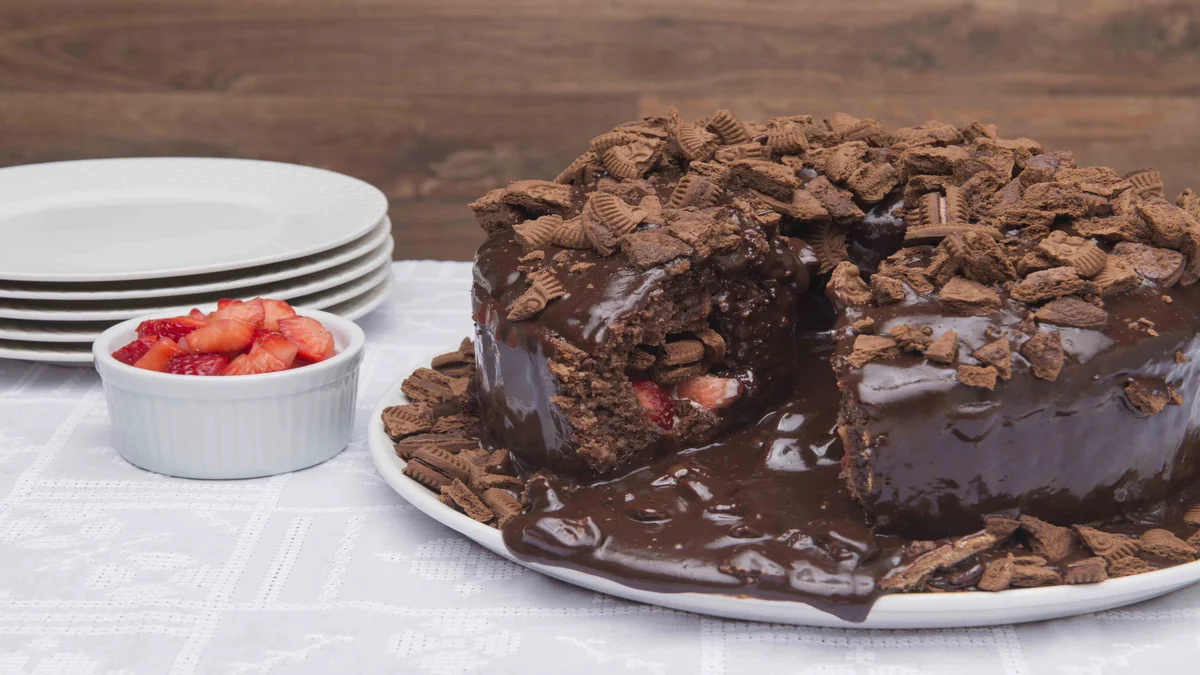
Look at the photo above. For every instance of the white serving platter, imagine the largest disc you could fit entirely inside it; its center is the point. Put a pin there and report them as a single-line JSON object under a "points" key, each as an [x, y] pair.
{"points": [[204, 283], [928, 610], [151, 218]]}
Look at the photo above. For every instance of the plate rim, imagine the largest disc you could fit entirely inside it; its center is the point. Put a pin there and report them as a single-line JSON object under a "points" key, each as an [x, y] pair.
{"points": [[378, 293], [371, 192], [894, 611], [115, 315], [357, 248]]}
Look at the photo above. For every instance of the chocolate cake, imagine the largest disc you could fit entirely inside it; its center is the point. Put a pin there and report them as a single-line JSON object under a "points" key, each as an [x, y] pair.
{"points": [[813, 358]]}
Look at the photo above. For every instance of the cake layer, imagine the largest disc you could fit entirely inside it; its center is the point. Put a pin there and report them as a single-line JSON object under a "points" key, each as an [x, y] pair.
{"points": [[556, 390]]}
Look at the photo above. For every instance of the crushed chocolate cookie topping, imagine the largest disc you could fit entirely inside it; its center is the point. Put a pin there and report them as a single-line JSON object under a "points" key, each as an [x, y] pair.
{"points": [[405, 420], [606, 218], [543, 288], [1158, 265], [458, 495], [869, 348], [846, 288], [1111, 547], [728, 128], [501, 503], [1087, 258], [571, 234], [939, 214], [1072, 311], [1148, 396], [998, 575], [1086, 571], [444, 461], [1146, 183], [1031, 576], [997, 354], [429, 386], [983, 377], [1192, 516], [963, 296], [652, 247], [914, 574], [829, 242], [944, 349], [1125, 567], [426, 475], [912, 338], [535, 234], [1049, 541], [1048, 284], [1164, 544], [1044, 352]]}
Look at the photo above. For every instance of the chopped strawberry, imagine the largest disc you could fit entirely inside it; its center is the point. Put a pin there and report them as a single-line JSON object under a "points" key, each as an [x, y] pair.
{"points": [[274, 310], [198, 315], [130, 353], [277, 344], [258, 360], [221, 335], [197, 364], [174, 328], [159, 354], [658, 405], [709, 391], [250, 312], [222, 303], [310, 337], [300, 362]]}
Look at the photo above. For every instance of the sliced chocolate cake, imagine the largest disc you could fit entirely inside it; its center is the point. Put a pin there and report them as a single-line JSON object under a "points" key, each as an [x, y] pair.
{"points": [[1013, 333], [642, 302]]}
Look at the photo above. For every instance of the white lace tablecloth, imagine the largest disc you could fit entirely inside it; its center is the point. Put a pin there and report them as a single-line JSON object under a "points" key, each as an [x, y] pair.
{"points": [[106, 569]]}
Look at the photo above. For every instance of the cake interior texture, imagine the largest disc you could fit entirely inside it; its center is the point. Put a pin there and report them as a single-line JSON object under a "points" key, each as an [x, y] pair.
{"points": [[818, 349]]}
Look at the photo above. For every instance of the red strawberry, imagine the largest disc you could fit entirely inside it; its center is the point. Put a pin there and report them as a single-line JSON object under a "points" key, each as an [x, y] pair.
{"points": [[225, 302], [709, 391], [250, 312], [277, 344], [159, 354], [658, 405], [198, 315], [274, 310], [197, 364], [310, 337], [174, 328], [130, 353], [222, 335], [257, 360]]}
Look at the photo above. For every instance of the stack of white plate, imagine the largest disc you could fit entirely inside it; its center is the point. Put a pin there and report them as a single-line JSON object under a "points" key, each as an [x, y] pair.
{"points": [[87, 244]]}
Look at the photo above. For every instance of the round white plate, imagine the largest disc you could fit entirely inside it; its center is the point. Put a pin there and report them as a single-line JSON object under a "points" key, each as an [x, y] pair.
{"points": [[114, 310], [205, 283], [335, 302], [123, 219], [922, 610], [358, 307]]}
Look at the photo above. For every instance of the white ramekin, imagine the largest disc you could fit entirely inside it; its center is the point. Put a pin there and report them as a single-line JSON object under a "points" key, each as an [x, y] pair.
{"points": [[231, 427]]}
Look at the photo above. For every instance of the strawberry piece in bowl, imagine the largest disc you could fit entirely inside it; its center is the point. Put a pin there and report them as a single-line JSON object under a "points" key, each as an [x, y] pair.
{"points": [[175, 328], [273, 311], [197, 364], [255, 362], [312, 341], [130, 353], [220, 336], [277, 345], [250, 312], [159, 355]]}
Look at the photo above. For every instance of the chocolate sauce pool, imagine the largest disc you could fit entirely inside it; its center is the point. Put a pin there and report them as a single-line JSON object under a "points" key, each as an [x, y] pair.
{"points": [[760, 513]]}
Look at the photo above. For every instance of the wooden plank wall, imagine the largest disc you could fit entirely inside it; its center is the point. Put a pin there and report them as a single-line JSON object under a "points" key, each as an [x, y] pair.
{"points": [[435, 101]]}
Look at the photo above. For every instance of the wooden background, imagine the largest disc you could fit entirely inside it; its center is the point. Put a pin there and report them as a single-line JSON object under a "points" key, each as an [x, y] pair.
{"points": [[435, 101]]}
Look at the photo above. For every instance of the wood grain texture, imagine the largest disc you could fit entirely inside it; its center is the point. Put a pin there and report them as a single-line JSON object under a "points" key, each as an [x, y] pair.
{"points": [[437, 102]]}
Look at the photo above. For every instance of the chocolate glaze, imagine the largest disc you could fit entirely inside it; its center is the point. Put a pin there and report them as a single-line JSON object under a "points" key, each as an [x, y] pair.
{"points": [[1067, 451]]}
